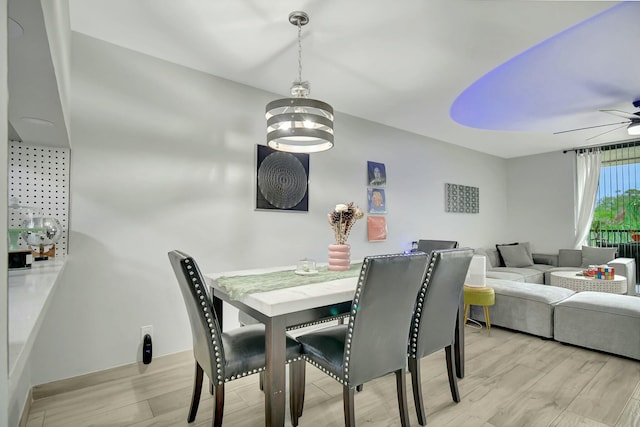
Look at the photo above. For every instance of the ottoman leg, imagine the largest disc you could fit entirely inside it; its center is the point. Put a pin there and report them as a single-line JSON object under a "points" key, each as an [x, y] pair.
{"points": [[466, 313], [487, 318]]}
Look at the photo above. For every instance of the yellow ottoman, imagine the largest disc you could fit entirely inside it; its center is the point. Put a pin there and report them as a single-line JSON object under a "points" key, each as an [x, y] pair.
{"points": [[484, 297]]}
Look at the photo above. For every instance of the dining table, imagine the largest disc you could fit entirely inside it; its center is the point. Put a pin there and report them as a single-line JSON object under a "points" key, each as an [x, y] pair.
{"points": [[283, 300]]}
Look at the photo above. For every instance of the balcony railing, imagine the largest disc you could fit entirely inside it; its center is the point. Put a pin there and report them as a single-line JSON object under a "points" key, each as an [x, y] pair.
{"points": [[612, 237], [627, 242]]}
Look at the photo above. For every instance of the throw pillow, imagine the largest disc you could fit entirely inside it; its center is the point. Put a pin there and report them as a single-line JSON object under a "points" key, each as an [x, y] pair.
{"points": [[597, 256], [491, 255], [516, 256], [501, 260]]}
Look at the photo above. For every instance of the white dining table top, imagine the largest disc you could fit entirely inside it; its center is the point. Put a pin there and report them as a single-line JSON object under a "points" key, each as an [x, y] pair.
{"points": [[288, 300]]}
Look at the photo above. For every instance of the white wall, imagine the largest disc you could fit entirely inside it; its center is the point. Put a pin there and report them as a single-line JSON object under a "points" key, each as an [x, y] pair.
{"points": [[540, 196], [4, 139], [58, 26], [164, 157]]}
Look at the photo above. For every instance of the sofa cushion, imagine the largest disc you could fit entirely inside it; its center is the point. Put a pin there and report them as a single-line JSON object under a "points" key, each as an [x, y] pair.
{"points": [[515, 256], [600, 321], [504, 275], [597, 256], [542, 267], [530, 275], [526, 307], [492, 255], [501, 259], [569, 257]]}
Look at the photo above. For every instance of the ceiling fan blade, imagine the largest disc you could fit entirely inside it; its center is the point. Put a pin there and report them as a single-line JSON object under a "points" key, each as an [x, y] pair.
{"points": [[626, 115], [589, 127], [604, 133]]}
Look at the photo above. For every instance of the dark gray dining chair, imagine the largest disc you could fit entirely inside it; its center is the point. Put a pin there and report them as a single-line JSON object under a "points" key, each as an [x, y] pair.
{"points": [[427, 246], [374, 342], [434, 319], [223, 356]]}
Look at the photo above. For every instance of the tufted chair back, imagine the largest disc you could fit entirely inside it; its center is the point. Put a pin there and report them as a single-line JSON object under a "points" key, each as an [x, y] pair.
{"points": [[427, 246], [205, 329], [380, 316], [434, 320]]}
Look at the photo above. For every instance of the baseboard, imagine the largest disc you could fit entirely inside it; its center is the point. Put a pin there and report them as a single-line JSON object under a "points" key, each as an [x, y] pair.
{"points": [[100, 377]]}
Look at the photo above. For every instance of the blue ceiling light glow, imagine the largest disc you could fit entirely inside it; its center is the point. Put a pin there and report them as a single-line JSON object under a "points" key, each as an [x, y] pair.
{"points": [[589, 66]]}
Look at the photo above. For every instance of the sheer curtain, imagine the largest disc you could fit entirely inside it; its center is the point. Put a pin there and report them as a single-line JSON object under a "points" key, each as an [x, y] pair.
{"points": [[587, 177]]}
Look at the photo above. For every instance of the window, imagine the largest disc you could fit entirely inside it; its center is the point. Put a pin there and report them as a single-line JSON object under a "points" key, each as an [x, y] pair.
{"points": [[616, 216]]}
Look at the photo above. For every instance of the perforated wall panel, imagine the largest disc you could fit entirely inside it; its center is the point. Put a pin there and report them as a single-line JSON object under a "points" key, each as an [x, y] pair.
{"points": [[39, 179]]}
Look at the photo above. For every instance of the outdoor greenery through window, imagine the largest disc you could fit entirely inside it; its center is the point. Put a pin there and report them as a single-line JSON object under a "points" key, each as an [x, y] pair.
{"points": [[616, 218]]}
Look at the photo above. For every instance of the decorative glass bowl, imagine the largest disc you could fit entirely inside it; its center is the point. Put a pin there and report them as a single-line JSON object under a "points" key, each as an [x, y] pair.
{"points": [[306, 266], [45, 231]]}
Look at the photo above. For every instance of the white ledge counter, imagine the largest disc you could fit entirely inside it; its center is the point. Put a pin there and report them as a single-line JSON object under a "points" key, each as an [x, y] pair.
{"points": [[30, 292]]}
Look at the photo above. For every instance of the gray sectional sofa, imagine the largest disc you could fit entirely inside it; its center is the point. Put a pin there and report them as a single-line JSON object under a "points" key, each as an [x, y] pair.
{"points": [[526, 302], [536, 267], [594, 320]]}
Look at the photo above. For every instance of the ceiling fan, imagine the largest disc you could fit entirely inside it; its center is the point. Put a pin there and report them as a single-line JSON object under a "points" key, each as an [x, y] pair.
{"points": [[632, 123]]}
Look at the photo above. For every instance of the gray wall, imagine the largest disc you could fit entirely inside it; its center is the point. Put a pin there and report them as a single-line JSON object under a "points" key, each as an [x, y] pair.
{"points": [[163, 157], [540, 194], [4, 96]]}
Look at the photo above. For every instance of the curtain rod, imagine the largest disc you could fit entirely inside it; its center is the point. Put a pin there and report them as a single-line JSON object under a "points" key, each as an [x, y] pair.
{"points": [[607, 146]]}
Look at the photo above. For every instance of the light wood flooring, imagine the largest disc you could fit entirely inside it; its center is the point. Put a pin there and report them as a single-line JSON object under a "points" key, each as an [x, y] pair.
{"points": [[512, 380]]}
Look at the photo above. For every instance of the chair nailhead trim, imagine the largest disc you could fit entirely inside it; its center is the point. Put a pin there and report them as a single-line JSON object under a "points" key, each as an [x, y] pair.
{"points": [[331, 374], [205, 310], [218, 353], [418, 311], [255, 371], [318, 322], [354, 311]]}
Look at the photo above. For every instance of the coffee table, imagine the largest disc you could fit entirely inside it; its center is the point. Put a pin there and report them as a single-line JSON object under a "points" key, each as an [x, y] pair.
{"points": [[571, 280]]}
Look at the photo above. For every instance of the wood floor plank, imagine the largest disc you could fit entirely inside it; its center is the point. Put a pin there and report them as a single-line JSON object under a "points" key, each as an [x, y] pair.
{"points": [[121, 416], [570, 419], [489, 398], [527, 410], [178, 417], [35, 419], [605, 396], [158, 365], [630, 415], [548, 397], [173, 400], [115, 394]]}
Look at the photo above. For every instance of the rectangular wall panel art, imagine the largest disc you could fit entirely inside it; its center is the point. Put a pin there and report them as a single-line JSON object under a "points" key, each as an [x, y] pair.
{"points": [[461, 198]]}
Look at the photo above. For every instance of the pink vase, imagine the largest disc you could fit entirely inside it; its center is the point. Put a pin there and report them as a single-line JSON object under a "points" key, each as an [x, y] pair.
{"points": [[339, 257]]}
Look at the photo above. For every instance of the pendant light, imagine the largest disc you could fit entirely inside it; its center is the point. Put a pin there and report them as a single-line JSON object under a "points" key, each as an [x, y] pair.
{"points": [[299, 124]]}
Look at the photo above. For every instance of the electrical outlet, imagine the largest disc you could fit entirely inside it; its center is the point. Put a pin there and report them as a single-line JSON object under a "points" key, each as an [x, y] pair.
{"points": [[144, 330]]}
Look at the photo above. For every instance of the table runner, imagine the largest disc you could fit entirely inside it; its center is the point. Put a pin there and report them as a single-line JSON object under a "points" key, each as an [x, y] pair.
{"points": [[238, 286]]}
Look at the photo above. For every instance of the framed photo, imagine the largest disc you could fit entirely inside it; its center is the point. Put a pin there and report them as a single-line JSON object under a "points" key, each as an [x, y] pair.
{"points": [[376, 228], [376, 174], [377, 201], [282, 180]]}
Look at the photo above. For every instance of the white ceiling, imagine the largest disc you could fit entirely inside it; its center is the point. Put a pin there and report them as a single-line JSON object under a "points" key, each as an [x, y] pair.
{"points": [[404, 63]]}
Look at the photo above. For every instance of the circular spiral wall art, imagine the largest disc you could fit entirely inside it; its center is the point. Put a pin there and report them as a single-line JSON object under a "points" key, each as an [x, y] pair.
{"points": [[282, 180]]}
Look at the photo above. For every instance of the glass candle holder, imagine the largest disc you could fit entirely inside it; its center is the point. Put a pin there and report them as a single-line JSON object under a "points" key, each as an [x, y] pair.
{"points": [[306, 265]]}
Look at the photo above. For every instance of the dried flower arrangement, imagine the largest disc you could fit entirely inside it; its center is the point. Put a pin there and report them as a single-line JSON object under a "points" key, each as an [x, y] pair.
{"points": [[342, 219]]}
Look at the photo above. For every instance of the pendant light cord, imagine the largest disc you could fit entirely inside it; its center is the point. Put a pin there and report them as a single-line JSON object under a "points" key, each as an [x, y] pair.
{"points": [[299, 51]]}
